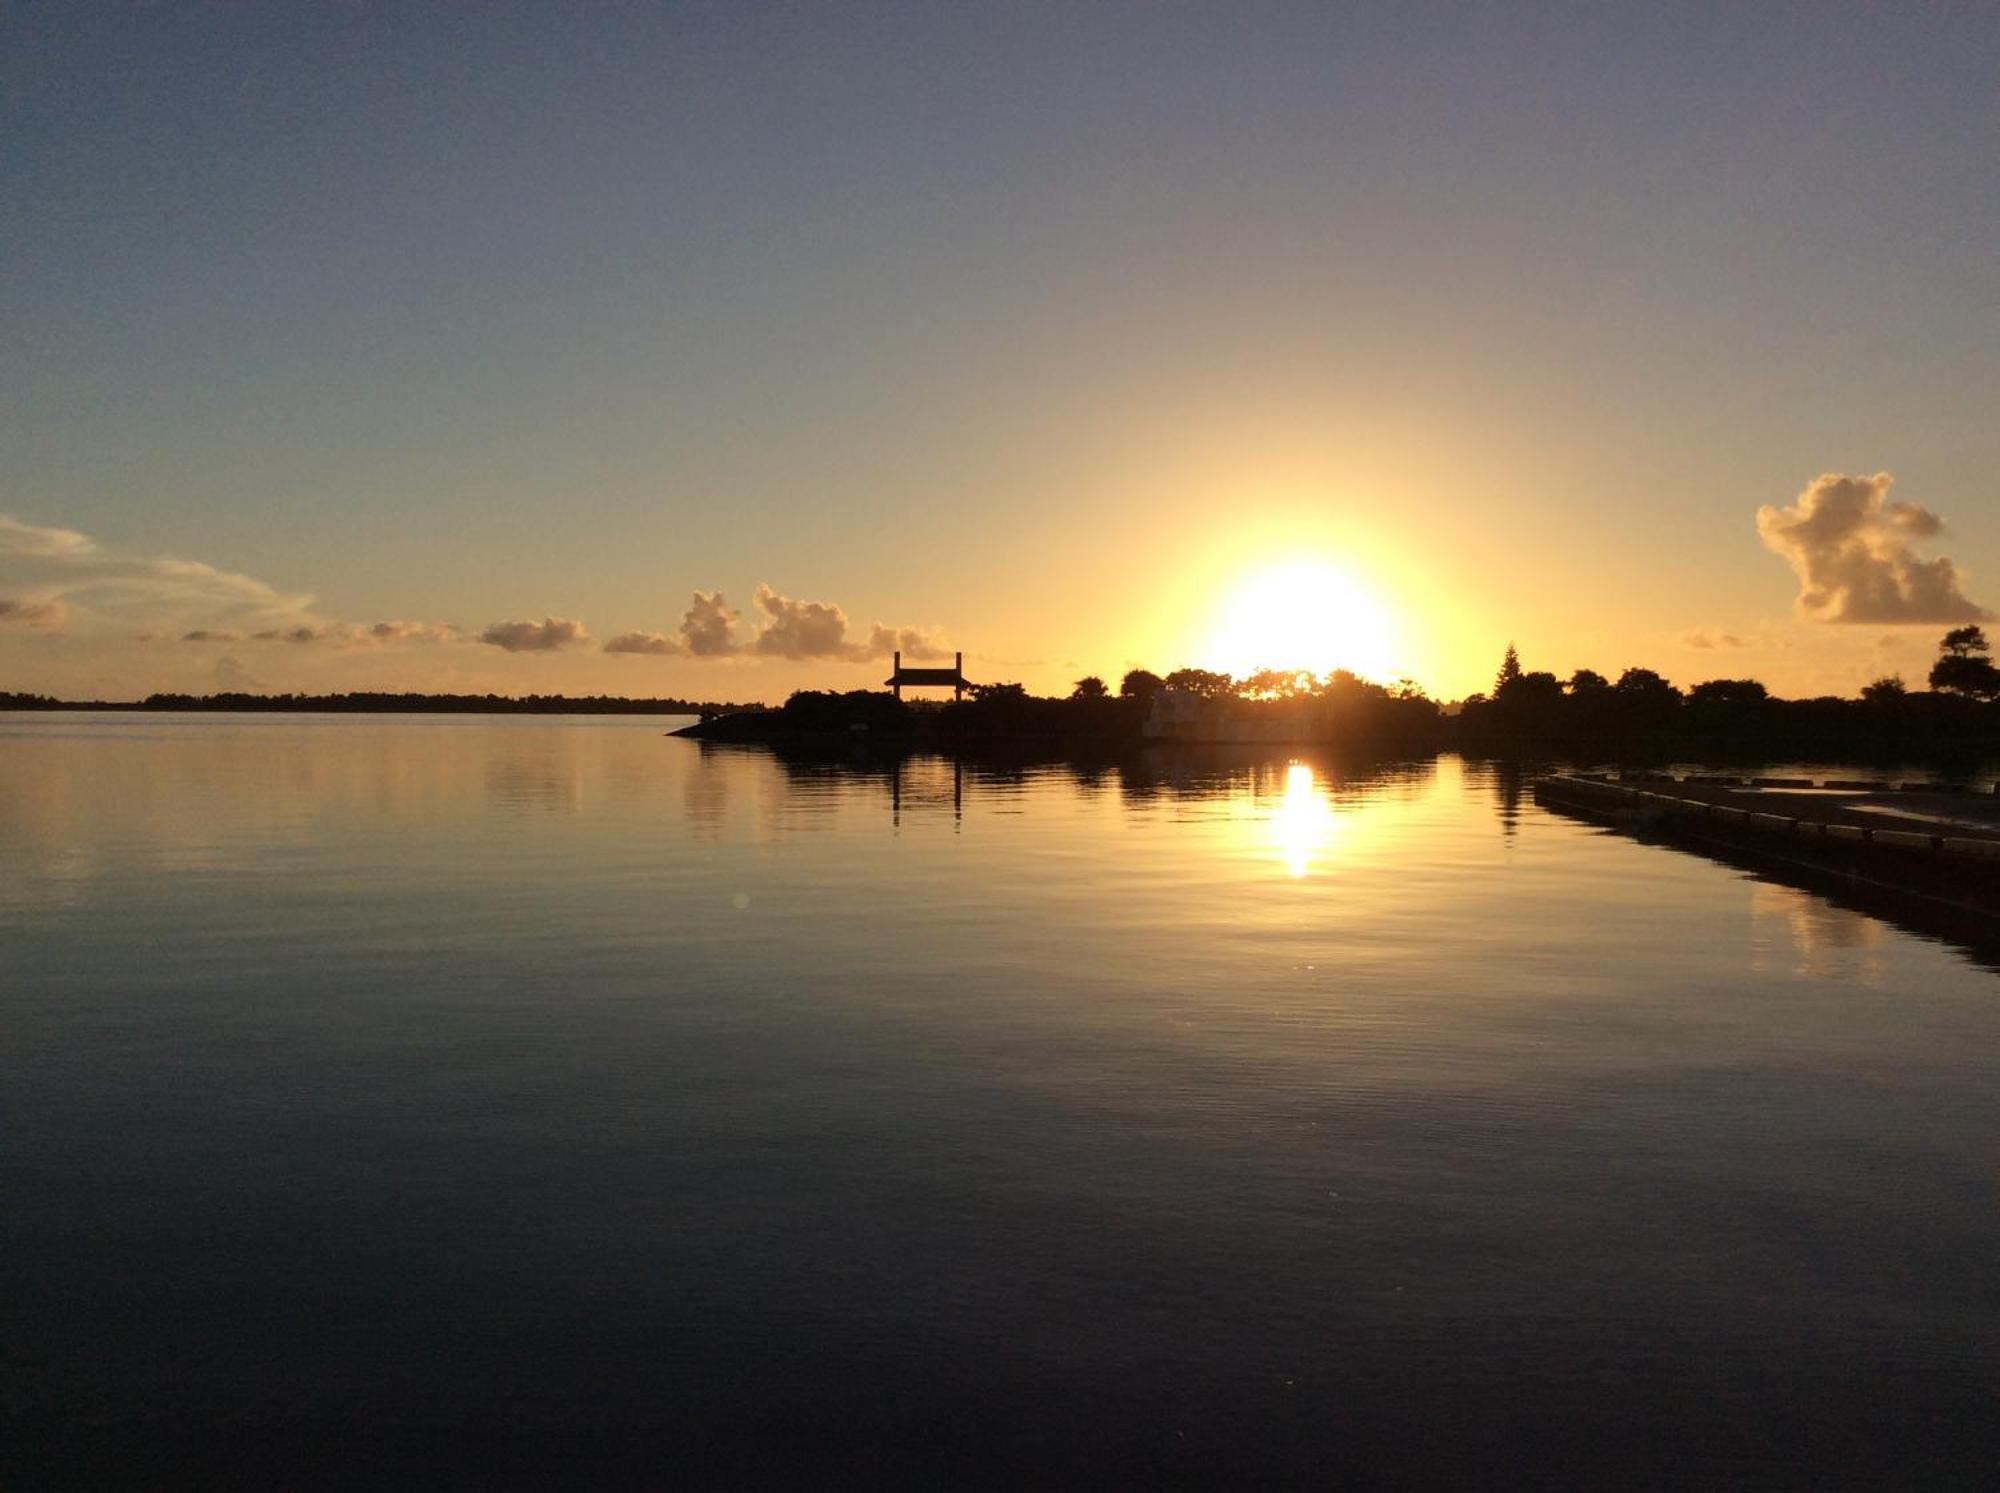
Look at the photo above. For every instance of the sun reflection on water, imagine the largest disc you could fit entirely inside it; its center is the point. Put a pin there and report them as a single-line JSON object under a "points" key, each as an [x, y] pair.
{"points": [[1303, 822]]}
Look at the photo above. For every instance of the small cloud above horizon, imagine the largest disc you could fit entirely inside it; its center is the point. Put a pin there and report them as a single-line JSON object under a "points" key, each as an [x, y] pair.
{"points": [[68, 577], [646, 642], [1708, 637], [31, 613], [1854, 553], [818, 630], [550, 635], [399, 631]]}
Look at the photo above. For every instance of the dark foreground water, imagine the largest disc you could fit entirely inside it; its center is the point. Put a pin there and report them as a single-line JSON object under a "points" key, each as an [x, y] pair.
{"points": [[416, 1102]]}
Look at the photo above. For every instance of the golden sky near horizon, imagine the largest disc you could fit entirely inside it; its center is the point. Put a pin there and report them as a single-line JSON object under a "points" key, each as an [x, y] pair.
{"points": [[680, 354]]}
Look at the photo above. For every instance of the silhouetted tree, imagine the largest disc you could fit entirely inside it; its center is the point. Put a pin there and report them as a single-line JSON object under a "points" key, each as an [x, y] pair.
{"points": [[1644, 687], [1537, 693], [1206, 683], [1587, 682], [1886, 690], [1510, 670], [836, 710], [1728, 692], [1963, 667], [1277, 684], [1090, 687], [1345, 683], [1141, 684]]}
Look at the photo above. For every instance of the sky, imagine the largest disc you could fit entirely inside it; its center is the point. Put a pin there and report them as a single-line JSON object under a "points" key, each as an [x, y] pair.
{"points": [[716, 351]]}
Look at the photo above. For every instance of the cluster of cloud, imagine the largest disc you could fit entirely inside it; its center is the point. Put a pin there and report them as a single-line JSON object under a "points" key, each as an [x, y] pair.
{"points": [[550, 635], [54, 575], [707, 630], [792, 629], [1853, 551], [69, 575]]}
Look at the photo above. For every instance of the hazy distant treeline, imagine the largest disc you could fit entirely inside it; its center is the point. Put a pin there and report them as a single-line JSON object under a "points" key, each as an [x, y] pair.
{"points": [[375, 702]]}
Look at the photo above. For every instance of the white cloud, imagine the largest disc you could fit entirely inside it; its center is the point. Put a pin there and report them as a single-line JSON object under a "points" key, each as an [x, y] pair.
{"points": [[800, 629], [646, 642], [1853, 552], [549, 635], [913, 642], [818, 629], [706, 626]]}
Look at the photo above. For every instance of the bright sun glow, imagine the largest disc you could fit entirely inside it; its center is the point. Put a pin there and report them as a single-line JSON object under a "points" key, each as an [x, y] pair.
{"points": [[1304, 614]]}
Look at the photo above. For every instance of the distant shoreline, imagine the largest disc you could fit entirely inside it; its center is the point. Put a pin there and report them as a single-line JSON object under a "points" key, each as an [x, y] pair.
{"points": [[373, 703]]}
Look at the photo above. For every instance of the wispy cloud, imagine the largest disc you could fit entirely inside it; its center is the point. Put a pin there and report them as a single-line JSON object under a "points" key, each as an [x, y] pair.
{"points": [[163, 594], [1709, 637], [550, 635], [31, 613], [1854, 553], [231, 675], [399, 631], [18, 538]]}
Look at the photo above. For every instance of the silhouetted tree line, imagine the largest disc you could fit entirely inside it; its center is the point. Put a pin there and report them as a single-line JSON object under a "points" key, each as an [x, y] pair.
{"points": [[994, 710], [370, 701], [1337, 707], [1639, 711]]}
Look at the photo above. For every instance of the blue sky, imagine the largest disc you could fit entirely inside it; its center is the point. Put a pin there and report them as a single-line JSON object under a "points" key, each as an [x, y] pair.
{"points": [[1038, 328]]}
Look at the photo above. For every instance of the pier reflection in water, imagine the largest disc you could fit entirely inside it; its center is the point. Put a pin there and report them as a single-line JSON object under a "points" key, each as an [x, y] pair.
{"points": [[569, 1104]]}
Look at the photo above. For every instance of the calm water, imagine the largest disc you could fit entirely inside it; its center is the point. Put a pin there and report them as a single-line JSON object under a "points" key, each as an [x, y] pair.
{"points": [[499, 1102]]}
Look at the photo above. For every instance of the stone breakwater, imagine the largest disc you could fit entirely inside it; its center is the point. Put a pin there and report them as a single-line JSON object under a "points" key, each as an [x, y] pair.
{"points": [[1908, 816], [1922, 854]]}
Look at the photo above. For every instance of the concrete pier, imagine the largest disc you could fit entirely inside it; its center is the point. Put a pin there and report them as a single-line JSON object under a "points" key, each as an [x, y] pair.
{"points": [[1923, 854]]}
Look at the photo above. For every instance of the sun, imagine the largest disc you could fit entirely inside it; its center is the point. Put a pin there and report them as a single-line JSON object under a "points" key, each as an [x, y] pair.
{"points": [[1304, 614]]}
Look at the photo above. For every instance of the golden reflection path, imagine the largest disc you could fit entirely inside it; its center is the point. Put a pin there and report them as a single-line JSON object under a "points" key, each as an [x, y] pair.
{"points": [[1303, 823]]}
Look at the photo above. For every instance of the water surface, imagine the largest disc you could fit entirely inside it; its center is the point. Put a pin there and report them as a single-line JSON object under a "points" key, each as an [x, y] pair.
{"points": [[502, 1102]]}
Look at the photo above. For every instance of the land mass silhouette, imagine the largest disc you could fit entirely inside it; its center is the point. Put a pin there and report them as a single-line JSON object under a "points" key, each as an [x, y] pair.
{"points": [[1639, 716]]}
